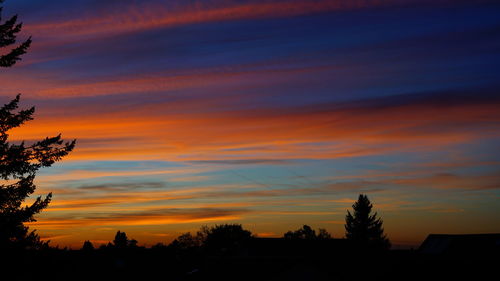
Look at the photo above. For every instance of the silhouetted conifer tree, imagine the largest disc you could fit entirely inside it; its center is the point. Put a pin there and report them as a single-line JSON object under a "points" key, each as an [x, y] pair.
{"points": [[8, 33], [364, 228], [20, 162], [18, 166]]}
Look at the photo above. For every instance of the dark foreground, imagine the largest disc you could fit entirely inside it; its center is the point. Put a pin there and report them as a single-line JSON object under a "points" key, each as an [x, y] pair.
{"points": [[166, 264]]}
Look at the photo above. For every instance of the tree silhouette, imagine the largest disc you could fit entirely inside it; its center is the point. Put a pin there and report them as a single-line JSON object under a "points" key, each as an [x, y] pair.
{"points": [[8, 33], [18, 166], [159, 246], [87, 246], [187, 241], [323, 234], [121, 241], [364, 228], [225, 238], [20, 162], [307, 233]]}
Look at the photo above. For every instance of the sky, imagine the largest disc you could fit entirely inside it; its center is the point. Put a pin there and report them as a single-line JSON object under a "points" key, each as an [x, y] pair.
{"points": [[272, 114]]}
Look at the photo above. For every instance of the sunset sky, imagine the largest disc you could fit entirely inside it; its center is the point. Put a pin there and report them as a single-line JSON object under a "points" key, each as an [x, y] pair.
{"points": [[272, 114]]}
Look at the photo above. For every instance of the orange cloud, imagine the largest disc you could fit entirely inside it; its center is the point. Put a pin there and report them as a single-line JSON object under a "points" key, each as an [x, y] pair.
{"points": [[174, 174], [154, 217], [322, 132], [267, 234]]}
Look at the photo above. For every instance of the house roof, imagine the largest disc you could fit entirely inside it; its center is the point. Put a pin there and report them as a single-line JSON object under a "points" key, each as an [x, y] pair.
{"points": [[461, 243]]}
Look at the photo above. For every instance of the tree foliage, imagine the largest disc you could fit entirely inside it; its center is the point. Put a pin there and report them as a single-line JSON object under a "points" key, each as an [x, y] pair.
{"points": [[18, 166], [219, 239], [324, 234], [20, 162], [121, 241], [226, 235], [87, 246], [364, 228], [187, 241], [307, 233], [8, 37]]}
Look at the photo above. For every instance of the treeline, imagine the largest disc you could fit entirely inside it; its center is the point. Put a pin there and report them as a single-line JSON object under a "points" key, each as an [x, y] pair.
{"points": [[363, 230], [224, 236]]}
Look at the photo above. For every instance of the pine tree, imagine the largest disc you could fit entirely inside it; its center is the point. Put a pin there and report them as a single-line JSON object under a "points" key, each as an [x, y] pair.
{"points": [[8, 35], [18, 166], [364, 228], [20, 162]]}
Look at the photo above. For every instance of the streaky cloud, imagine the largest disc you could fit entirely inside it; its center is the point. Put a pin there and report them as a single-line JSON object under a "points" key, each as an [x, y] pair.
{"points": [[155, 14]]}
